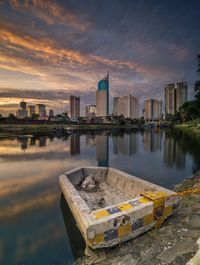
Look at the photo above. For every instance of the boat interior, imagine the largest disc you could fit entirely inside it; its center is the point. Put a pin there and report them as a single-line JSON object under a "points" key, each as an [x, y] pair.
{"points": [[102, 187]]}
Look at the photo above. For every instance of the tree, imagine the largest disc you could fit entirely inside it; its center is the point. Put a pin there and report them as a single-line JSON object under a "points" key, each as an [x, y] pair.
{"points": [[11, 116], [35, 116], [191, 110]]}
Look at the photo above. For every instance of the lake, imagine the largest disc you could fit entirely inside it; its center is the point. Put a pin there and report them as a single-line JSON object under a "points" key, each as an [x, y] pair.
{"points": [[36, 226]]}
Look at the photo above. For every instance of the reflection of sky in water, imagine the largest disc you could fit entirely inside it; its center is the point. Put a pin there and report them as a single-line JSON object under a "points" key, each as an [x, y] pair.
{"points": [[32, 230]]}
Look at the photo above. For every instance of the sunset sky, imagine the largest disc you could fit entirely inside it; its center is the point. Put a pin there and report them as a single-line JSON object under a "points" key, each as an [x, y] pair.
{"points": [[51, 49]]}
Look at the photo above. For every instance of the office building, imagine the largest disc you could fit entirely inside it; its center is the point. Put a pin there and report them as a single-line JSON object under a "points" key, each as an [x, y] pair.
{"points": [[153, 109], [170, 95], [51, 113], [30, 111], [175, 97], [22, 112], [181, 94], [115, 105], [74, 106], [128, 106], [102, 97], [40, 109], [90, 111], [23, 105]]}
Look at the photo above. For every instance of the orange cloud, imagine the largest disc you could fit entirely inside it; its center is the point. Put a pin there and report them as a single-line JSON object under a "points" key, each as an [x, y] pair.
{"points": [[51, 13], [45, 45]]}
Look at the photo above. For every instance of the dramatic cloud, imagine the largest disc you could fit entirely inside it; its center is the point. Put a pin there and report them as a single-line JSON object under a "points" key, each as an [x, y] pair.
{"points": [[51, 49]]}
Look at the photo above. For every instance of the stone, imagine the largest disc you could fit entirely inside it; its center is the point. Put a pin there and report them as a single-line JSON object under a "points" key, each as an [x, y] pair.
{"points": [[179, 248], [184, 210], [195, 221], [146, 255], [193, 234], [196, 259], [125, 260]]}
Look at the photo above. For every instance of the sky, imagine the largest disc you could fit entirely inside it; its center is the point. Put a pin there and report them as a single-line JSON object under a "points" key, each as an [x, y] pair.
{"points": [[51, 49]]}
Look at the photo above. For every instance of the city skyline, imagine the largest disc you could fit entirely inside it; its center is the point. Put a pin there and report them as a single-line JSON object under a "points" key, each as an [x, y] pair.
{"points": [[62, 48]]}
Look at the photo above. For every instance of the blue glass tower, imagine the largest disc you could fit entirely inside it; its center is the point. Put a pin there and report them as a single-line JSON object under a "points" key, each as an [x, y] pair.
{"points": [[104, 85]]}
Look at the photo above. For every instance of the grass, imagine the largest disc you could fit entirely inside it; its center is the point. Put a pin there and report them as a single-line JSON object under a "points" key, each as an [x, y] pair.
{"points": [[191, 128]]}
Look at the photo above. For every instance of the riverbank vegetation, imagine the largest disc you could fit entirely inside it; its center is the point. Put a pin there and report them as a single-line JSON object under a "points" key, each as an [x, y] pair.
{"points": [[191, 109], [188, 117]]}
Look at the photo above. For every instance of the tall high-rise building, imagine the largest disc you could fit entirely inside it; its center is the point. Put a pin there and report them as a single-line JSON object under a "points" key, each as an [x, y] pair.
{"points": [[90, 111], [170, 95], [153, 109], [51, 113], [128, 106], [40, 109], [175, 96], [22, 105], [102, 97], [75, 107], [30, 110], [22, 112], [181, 94], [115, 105]]}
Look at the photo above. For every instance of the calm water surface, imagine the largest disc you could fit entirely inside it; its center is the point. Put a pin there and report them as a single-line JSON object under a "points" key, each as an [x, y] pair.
{"points": [[36, 226]]}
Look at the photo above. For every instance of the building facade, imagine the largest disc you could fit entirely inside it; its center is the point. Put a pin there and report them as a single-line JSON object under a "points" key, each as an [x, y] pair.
{"points": [[102, 97], [181, 94], [175, 97], [22, 112], [115, 105], [75, 107], [40, 109], [51, 113], [153, 109], [90, 111], [30, 110], [128, 106], [170, 103]]}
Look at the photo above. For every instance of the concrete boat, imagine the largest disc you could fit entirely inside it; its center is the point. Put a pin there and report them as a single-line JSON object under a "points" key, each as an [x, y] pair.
{"points": [[111, 206]]}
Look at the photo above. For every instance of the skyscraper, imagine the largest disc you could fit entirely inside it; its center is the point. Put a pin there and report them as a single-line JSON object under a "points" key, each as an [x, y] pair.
{"points": [[128, 106], [115, 105], [102, 97], [153, 109], [181, 94], [22, 112], [41, 110], [175, 97], [74, 106], [23, 105], [170, 103], [30, 110]]}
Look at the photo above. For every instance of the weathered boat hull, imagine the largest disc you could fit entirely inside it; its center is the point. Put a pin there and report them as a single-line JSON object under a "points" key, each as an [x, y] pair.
{"points": [[125, 213]]}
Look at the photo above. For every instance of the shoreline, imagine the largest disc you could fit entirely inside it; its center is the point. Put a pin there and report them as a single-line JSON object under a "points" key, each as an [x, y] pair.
{"points": [[193, 131]]}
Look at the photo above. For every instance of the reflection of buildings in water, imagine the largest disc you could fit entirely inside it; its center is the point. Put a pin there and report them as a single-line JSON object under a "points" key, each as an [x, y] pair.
{"points": [[76, 240], [173, 155], [115, 145], [102, 150], [42, 141], [23, 142], [152, 141], [126, 145], [90, 140], [51, 138], [31, 141], [75, 144]]}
